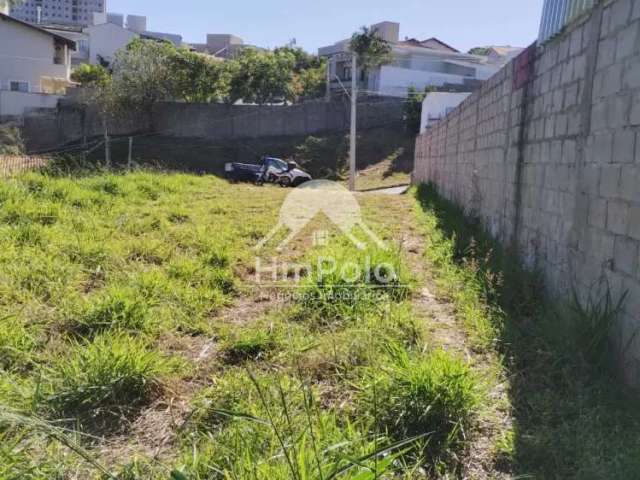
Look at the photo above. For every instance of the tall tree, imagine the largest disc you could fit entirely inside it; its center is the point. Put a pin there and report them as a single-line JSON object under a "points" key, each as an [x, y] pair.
{"points": [[412, 109], [261, 77], [310, 83], [371, 49], [10, 3], [303, 59], [197, 78], [142, 73], [479, 51], [90, 75]]}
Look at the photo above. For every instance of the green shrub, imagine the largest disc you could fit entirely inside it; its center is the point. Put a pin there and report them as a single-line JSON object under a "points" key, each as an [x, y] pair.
{"points": [[10, 140]]}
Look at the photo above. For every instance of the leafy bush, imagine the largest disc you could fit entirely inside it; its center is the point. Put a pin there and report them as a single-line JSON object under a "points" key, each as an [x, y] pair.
{"points": [[413, 110], [324, 157], [10, 140], [90, 75]]}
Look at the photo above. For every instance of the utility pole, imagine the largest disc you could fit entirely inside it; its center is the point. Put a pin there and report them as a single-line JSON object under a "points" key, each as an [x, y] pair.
{"points": [[328, 92], [129, 157], [107, 146], [354, 111]]}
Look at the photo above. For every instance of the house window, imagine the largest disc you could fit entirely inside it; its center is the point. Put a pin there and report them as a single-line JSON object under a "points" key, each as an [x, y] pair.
{"points": [[15, 86]]}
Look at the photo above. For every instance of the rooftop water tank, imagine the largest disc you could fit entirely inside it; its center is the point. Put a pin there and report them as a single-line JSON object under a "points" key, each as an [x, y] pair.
{"points": [[137, 23]]}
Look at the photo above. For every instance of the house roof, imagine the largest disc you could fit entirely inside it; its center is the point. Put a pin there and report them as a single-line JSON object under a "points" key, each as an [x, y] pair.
{"points": [[505, 51], [60, 38], [429, 43]]}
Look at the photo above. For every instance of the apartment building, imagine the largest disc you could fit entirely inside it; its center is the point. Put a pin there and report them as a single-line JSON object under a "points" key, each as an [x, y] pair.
{"points": [[66, 12]]}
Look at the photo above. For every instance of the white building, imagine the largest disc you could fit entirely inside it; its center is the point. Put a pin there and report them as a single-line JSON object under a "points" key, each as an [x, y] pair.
{"points": [[438, 105], [104, 40], [414, 63], [66, 12], [99, 42], [221, 45], [35, 66]]}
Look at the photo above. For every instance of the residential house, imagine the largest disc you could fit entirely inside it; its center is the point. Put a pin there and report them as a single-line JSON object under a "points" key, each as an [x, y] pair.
{"points": [[502, 54], [105, 39], [75, 33], [35, 66], [437, 105], [414, 63], [99, 42]]}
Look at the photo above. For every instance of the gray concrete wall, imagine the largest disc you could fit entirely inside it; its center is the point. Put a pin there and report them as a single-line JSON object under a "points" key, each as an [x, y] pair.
{"points": [[552, 166], [50, 130], [223, 122]]}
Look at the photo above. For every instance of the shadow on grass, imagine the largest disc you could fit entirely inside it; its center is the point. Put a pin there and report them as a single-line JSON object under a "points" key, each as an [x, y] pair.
{"points": [[571, 418]]}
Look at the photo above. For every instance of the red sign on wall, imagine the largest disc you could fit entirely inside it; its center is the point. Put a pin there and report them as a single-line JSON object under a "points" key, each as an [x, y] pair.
{"points": [[523, 67]]}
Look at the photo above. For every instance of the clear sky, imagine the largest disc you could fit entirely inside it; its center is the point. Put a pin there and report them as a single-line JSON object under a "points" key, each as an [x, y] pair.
{"points": [[269, 23]]}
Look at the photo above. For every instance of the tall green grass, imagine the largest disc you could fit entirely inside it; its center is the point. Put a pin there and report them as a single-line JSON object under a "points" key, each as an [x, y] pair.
{"points": [[572, 419], [105, 379]]}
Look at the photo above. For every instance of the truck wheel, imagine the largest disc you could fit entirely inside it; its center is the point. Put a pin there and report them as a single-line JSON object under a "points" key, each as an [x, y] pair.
{"points": [[285, 182]]}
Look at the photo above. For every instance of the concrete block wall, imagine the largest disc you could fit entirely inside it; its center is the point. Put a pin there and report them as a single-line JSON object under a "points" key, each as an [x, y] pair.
{"points": [[221, 122], [552, 166], [214, 121]]}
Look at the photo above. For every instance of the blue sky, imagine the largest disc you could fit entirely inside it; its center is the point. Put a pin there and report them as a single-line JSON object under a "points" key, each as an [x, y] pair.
{"points": [[270, 23]]}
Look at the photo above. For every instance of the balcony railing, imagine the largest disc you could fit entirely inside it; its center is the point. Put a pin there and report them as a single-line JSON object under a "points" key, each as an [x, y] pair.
{"points": [[557, 14]]}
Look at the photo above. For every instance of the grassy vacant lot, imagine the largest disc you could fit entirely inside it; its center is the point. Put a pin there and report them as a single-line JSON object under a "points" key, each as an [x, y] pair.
{"points": [[136, 344]]}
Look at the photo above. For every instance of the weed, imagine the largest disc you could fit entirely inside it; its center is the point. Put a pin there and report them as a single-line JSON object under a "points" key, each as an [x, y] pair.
{"points": [[110, 377], [571, 420], [17, 343], [277, 430], [117, 308], [252, 343], [434, 395], [594, 322], [353, 284]]}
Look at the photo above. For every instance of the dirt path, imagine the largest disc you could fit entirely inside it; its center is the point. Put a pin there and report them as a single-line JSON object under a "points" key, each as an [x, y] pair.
{"points": [[446, 332]]}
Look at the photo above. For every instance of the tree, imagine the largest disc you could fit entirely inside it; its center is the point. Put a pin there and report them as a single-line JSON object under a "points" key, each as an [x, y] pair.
{"points": [[303, 60], [261, 77], [197, 78], [372, 51], [10, 3], [310, 83], [413, 109], [484, 51], [142, 74], [90, 75]]}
